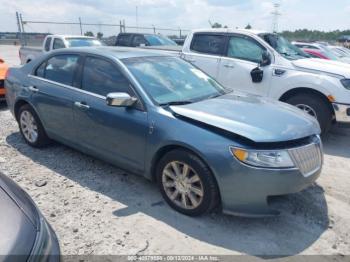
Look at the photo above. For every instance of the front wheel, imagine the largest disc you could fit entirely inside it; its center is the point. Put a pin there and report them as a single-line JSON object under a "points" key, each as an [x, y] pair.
{"points": [[186, 183], [316, 107]]}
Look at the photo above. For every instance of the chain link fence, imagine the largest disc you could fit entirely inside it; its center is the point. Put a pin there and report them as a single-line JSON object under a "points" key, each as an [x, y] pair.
{"points": [[32, 32]]}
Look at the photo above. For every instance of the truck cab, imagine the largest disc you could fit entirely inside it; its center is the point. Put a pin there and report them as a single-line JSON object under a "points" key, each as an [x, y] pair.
{"points": [[266, 64]]}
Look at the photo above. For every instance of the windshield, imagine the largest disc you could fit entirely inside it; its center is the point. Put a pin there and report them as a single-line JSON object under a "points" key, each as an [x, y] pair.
{"points": [[79, 42], [170, 80], [284, 47], [159, 40]]}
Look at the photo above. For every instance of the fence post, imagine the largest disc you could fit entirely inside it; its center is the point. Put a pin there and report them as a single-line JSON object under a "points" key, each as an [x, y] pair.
{"points": [[81, 26], [154, 29], [180, 33]]}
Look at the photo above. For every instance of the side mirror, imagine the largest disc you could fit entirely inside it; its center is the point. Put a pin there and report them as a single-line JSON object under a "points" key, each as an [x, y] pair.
{"points": [[257, 75], [120, 100], [265, 59]]}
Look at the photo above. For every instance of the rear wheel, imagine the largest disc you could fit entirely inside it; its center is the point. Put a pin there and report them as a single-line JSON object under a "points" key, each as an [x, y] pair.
{"points": [[31, 127], [314, 106], [186, 183]]}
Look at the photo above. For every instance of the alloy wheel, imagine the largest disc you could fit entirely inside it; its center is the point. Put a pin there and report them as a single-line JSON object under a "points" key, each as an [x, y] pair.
{"points": [[307, 109], [182, 185], [28, 126]]}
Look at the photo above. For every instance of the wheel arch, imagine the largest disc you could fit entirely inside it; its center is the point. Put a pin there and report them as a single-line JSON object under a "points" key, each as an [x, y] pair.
{"points": [[19, 103], [305, 90]]}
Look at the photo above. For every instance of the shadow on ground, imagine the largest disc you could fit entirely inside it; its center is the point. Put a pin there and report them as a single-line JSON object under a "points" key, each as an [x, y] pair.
{"points": [[304, 216], [337, 142], [3, 106]]}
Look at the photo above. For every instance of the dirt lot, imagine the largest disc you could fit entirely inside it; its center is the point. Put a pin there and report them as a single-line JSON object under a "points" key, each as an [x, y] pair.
{"points": [[97, 209]]}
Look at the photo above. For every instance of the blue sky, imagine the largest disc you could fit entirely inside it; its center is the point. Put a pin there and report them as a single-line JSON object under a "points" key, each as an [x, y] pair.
{"points": [[312, 14]]}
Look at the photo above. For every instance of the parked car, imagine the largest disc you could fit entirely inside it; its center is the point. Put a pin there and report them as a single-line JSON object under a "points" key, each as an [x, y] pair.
{"points": [[341, 51], [25, 233], [314, 53], [159, 116], [267, 64], [52, 42], [322, 51], [3, 70], [138, 39]]}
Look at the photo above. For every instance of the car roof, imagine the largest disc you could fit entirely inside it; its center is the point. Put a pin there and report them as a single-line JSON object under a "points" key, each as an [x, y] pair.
{"points": [[72, 36], [231, 30], [115, 52]]}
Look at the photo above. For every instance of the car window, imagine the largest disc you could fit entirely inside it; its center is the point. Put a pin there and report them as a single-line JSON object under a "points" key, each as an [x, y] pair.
{"points": [[123, 40], [40, 71], [47, 44], [245, 48], [139, 40], [208, 44], [102, 77], [60, 68], [58, 43]]}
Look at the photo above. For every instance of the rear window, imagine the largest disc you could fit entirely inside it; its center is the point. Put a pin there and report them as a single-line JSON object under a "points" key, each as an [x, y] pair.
{"points": [[208, 44]]}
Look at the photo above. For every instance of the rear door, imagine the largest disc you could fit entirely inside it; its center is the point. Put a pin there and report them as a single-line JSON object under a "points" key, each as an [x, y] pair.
{"points": [[242, 55], [116, 134], [53, 88], [206, 51]]}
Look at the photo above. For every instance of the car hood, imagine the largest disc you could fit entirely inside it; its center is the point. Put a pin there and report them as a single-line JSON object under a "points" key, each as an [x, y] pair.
{"points": [[255, 118], [321, 65], [16, 230]]}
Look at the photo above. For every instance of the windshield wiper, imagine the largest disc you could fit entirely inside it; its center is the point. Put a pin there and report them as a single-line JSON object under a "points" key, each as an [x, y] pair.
{"points": [[176, 103]]}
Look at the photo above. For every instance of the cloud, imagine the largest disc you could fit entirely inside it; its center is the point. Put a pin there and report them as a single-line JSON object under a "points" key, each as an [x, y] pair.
{"points": [[183, 14]]}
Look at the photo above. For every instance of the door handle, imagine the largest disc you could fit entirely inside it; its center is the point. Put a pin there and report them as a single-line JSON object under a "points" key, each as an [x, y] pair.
{"points": [[33, 89], [82, 105], [229, 66]]}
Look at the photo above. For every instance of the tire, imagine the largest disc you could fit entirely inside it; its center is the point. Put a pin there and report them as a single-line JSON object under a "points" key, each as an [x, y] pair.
{"points": [[324, 114], [196, 204], [41, 139]]}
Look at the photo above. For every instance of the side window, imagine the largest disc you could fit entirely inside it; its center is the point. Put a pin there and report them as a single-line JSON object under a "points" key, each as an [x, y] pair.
{"points": [[61, 69], [47, 44], [102, 77], [245, 48], [58, 43], [208, 44], [123, 40], [139, 40]]}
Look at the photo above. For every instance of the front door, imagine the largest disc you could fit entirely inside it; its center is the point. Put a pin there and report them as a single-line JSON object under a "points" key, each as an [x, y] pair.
{"points": [[243, 55], [116, 134]]}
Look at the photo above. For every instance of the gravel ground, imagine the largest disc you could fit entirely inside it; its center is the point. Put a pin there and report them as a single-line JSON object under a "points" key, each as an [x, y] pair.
{"points": [[96, 208]]}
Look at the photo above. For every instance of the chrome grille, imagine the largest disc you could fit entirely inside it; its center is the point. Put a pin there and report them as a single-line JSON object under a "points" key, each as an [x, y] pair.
{"points": [[307, 158]]}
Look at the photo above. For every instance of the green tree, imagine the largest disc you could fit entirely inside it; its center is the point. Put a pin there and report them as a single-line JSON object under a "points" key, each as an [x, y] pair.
{"points": [[89, 33], [99, 35], [248, 26], [216, 25]]}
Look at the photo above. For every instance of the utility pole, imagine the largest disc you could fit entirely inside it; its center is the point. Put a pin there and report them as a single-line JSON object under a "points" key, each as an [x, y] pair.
{"points": [[137, 19], [19, 28], [275, 15], [23, 32], [81, 27]]}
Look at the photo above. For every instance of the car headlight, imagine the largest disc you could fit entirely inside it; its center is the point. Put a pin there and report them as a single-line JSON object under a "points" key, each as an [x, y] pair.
{"points": [[263, 158], [346, 83]]}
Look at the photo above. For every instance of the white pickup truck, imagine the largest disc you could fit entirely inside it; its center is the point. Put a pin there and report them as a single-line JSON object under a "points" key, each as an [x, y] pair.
{"points": [[51, 42], [266, 64]]}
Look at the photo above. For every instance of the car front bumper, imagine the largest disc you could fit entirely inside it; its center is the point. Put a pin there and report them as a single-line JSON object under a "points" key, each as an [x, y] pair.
{"points": [[342, 112], [252, 188], [245, 189]]}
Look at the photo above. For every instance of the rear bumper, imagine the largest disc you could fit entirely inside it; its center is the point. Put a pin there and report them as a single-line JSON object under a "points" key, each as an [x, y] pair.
{"points": [[342, 112]]}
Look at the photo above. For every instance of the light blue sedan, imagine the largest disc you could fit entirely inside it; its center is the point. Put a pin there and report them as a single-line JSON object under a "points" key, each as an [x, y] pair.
{"points": [[158, 116]]}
